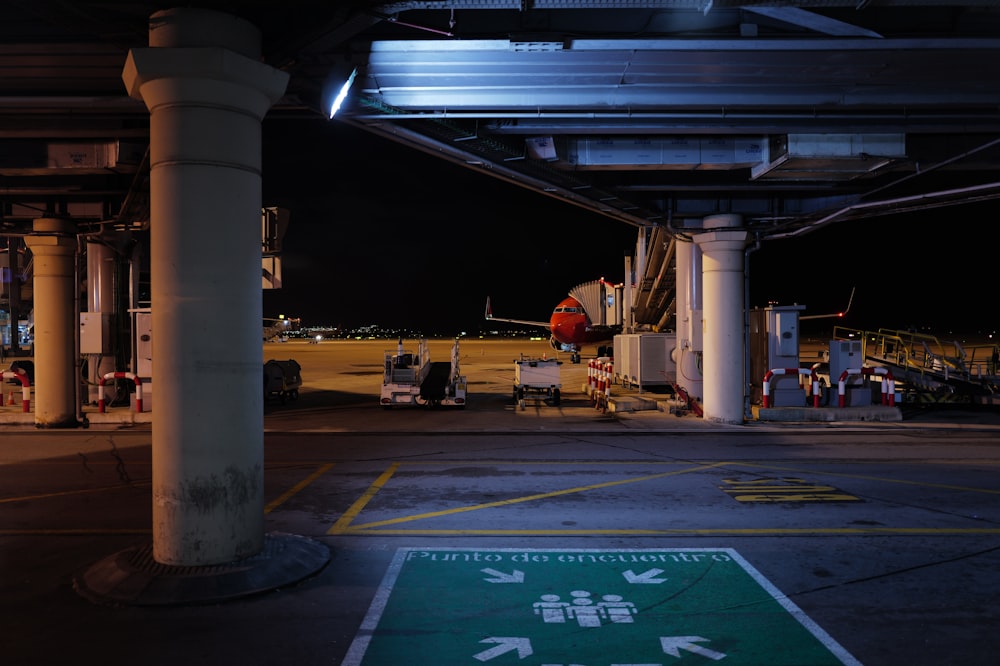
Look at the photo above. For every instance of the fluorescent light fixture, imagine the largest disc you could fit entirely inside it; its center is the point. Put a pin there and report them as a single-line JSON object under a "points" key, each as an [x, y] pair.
{"points": [[342, 93]]}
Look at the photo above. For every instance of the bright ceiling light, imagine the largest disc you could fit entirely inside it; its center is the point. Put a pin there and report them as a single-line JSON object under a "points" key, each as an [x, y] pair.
{"points": [[338, 101]]}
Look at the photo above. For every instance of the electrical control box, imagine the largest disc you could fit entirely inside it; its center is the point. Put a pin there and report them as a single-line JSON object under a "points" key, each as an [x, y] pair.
{"points": [[774, 343], [95, 333]]}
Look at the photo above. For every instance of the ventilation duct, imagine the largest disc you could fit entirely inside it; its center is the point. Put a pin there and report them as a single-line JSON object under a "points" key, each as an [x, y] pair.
{"points": [[681, 153], [828, 157]]}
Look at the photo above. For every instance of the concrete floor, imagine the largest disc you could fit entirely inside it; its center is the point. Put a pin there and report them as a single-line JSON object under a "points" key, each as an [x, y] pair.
{"points": [[851, 542]]}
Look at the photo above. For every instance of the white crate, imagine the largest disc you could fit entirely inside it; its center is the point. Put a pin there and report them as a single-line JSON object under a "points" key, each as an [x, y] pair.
{"points": [[537, 373]]}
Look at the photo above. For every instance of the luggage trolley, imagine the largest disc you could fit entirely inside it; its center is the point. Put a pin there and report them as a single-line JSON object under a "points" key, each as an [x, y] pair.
{"points": [[538, 377]]}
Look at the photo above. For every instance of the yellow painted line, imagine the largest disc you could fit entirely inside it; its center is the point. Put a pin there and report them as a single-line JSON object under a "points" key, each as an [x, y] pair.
{"points": [[882, 479], [775, 498], [297, 488], [557, 463], [788, 488], [518, 500], [67, 493], [358, 506], [720, 531]]}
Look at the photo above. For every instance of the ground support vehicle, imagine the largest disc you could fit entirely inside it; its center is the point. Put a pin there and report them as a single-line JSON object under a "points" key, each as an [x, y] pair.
{"points": [[537, 378], [413, 379], [282, 379]]}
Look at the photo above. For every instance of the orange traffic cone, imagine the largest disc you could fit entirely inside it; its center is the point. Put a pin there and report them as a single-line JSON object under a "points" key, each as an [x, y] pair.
{"points": [[10, 398]]}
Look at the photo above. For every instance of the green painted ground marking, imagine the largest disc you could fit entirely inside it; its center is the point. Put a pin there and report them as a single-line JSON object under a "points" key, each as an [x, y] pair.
{"points": [[561, 607]]}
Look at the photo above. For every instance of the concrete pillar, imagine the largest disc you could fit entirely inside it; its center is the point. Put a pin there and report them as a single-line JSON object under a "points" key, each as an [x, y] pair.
{"points": [[207, 92], [14, 295], [53, 245], [722, 246], [100, 303]]}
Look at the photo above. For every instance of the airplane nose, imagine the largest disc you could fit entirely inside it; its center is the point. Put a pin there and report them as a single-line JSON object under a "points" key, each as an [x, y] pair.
{"points": [[562, 331]]}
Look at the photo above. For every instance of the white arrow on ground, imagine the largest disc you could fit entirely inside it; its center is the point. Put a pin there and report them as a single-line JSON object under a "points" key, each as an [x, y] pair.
{"points": [[504, 645], [647, 577], [501, 577], [672, 645]]}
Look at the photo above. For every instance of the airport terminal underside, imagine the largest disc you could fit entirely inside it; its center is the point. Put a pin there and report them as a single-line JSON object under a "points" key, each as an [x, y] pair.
{"points": [[132, 134], [715, 124]]}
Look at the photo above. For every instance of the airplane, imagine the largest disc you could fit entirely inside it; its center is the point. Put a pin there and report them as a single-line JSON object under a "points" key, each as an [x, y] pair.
{"points": [[569, 326]]}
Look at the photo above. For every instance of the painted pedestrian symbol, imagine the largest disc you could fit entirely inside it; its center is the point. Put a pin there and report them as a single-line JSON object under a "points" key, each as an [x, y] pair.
{"points": [[574, 607], [611, 608]]}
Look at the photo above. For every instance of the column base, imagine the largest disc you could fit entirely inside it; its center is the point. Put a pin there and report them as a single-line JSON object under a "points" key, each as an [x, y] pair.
{"points": [[133, 578]]}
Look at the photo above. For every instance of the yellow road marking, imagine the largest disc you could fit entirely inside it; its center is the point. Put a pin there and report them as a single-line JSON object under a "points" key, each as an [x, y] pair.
{"points": [[775, 498], [342, 523], [783, 490], [358, 506], [720, 531], [864, 477], [297, 488]]}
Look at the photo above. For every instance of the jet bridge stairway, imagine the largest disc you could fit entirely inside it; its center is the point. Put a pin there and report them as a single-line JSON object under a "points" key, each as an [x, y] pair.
{"points": [[655, 296], [925, 371]]}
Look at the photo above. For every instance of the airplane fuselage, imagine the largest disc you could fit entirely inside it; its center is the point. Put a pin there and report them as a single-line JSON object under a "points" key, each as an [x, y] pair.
{"points": [[571, 327]]}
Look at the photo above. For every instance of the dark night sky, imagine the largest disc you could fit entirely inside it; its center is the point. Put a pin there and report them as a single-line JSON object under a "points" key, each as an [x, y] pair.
{"points": [[383, 234]]}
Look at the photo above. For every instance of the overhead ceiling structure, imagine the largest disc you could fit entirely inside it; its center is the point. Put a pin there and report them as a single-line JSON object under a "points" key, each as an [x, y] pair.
{"points": [[649, 112]]}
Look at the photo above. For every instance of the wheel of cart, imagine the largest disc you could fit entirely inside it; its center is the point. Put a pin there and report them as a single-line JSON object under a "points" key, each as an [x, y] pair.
{"points": [[519, 396]]}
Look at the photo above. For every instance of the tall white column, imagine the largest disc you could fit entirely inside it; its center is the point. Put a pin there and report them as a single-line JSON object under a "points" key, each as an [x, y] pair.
{"points": [[100, 300], [722, 246], [690, 343], [53, 246], [207, 93]]}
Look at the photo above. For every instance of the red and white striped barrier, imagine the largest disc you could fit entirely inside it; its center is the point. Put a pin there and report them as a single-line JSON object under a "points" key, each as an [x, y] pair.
{"points": [[609, 374], [21, 375], [120, 375], [603, 372], [809, 372], [888, 385]]}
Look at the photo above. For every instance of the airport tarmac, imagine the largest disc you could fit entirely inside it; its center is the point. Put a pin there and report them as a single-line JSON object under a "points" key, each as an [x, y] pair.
{"points": [[498, 535], [340, 377]]}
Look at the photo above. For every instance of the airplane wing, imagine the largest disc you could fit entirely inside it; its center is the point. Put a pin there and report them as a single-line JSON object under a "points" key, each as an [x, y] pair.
{"points": [[835, 314], [490, 317]]}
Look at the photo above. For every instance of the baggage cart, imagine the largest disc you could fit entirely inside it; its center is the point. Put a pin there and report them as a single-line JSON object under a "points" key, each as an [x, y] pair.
{"points": [[537, 378]]}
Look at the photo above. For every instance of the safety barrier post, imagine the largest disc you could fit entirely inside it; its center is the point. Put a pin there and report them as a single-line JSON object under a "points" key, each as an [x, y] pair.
{"points": [[120, 375], [809, 372], [608, 377], [599, 389], [21, 376], [888, 384]]}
